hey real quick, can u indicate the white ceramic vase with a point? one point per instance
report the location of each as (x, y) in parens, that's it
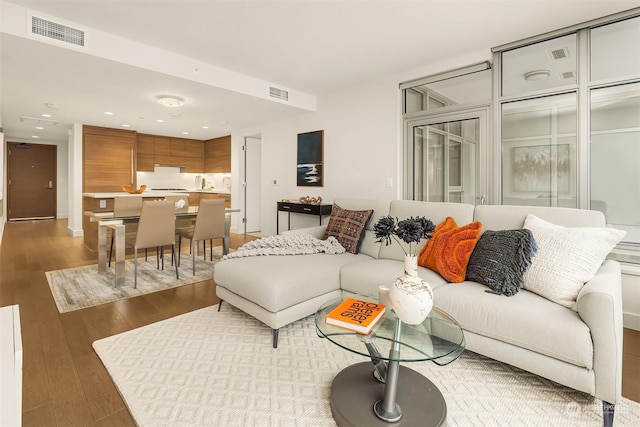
(410, 296)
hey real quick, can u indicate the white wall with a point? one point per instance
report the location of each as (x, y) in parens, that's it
(74, 183)
(361, 135)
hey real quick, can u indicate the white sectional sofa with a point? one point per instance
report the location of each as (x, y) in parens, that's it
(580, 348)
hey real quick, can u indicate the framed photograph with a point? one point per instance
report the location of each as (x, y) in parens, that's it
(310, 158)
(541, 168)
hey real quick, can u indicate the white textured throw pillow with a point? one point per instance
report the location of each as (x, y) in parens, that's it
(567, 258)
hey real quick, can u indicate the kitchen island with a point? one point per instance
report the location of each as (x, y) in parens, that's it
(103, 202)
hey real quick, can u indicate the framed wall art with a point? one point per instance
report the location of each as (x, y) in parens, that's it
(310, 159)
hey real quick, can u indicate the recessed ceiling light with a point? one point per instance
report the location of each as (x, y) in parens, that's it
(160, 121)
(205, 127)
(185, 133)
(39, 127)
(125, 126)
(170, 101)
(35, 136)
(45, 115)
(108, 113)
(537, 75)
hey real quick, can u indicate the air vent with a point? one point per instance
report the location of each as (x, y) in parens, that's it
(568, 75)
(57, 31)
(38, 121)
(559, 53)
(278, 93)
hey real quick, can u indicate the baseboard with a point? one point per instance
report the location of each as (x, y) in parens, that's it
(75, 233)
(631, 321)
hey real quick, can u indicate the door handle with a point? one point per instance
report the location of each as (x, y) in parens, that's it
(49, 185)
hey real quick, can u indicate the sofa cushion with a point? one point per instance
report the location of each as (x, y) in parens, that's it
(348, 226)
(567, 258)
(449, 249)
(281, 281)
(525, 320)
(500, 260)
(380, 208)
(364, 278)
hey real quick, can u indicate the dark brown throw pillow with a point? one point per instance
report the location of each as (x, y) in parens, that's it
(348, 227)
(500, 260)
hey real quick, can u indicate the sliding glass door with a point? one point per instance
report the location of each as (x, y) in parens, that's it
(444, 153)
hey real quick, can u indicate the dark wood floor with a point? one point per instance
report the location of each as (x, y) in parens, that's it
(64, 382)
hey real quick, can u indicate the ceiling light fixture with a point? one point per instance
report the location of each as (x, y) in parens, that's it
(160, 121)
(45, 115)
(108, 113)
(537, 75)
(170, 101)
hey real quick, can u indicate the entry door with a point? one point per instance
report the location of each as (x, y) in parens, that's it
(31, 170)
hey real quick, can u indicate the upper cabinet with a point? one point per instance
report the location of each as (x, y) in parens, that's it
(108, 158)
(184, 153)
(194, 159)
(163, 151)
(217, 155)
(145, 147)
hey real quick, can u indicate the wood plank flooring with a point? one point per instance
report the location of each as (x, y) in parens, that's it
(64, 382)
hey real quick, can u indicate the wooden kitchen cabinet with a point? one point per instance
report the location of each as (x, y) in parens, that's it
(226, 197)
(145, 147)
(217, 155)
(108, 159)
(163, 151)
(178, 151)
(194, 160)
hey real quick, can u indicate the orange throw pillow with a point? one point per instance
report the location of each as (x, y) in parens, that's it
(449, 249)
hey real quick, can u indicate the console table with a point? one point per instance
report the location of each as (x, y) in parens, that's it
(301, 208)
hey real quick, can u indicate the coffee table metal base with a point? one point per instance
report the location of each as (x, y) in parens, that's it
(355, 391)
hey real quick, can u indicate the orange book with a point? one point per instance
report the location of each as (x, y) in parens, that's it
(358, 315)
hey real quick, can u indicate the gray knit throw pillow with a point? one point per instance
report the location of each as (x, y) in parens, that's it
(500, 260)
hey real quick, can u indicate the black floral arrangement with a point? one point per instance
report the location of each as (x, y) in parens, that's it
(410, 231)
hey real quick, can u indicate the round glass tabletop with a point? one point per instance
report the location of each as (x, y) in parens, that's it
(439, 338)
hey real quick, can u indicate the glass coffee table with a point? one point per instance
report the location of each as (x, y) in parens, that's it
(382, 391)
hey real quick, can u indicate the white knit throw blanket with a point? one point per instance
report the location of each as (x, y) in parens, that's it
(290, 244)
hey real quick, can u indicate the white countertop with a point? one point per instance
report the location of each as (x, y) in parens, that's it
(214, 191)
(152, 193)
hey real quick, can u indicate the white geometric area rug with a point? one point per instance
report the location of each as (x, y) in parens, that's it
(210, 368)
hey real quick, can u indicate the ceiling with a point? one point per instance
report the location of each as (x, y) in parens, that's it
(315, 47)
